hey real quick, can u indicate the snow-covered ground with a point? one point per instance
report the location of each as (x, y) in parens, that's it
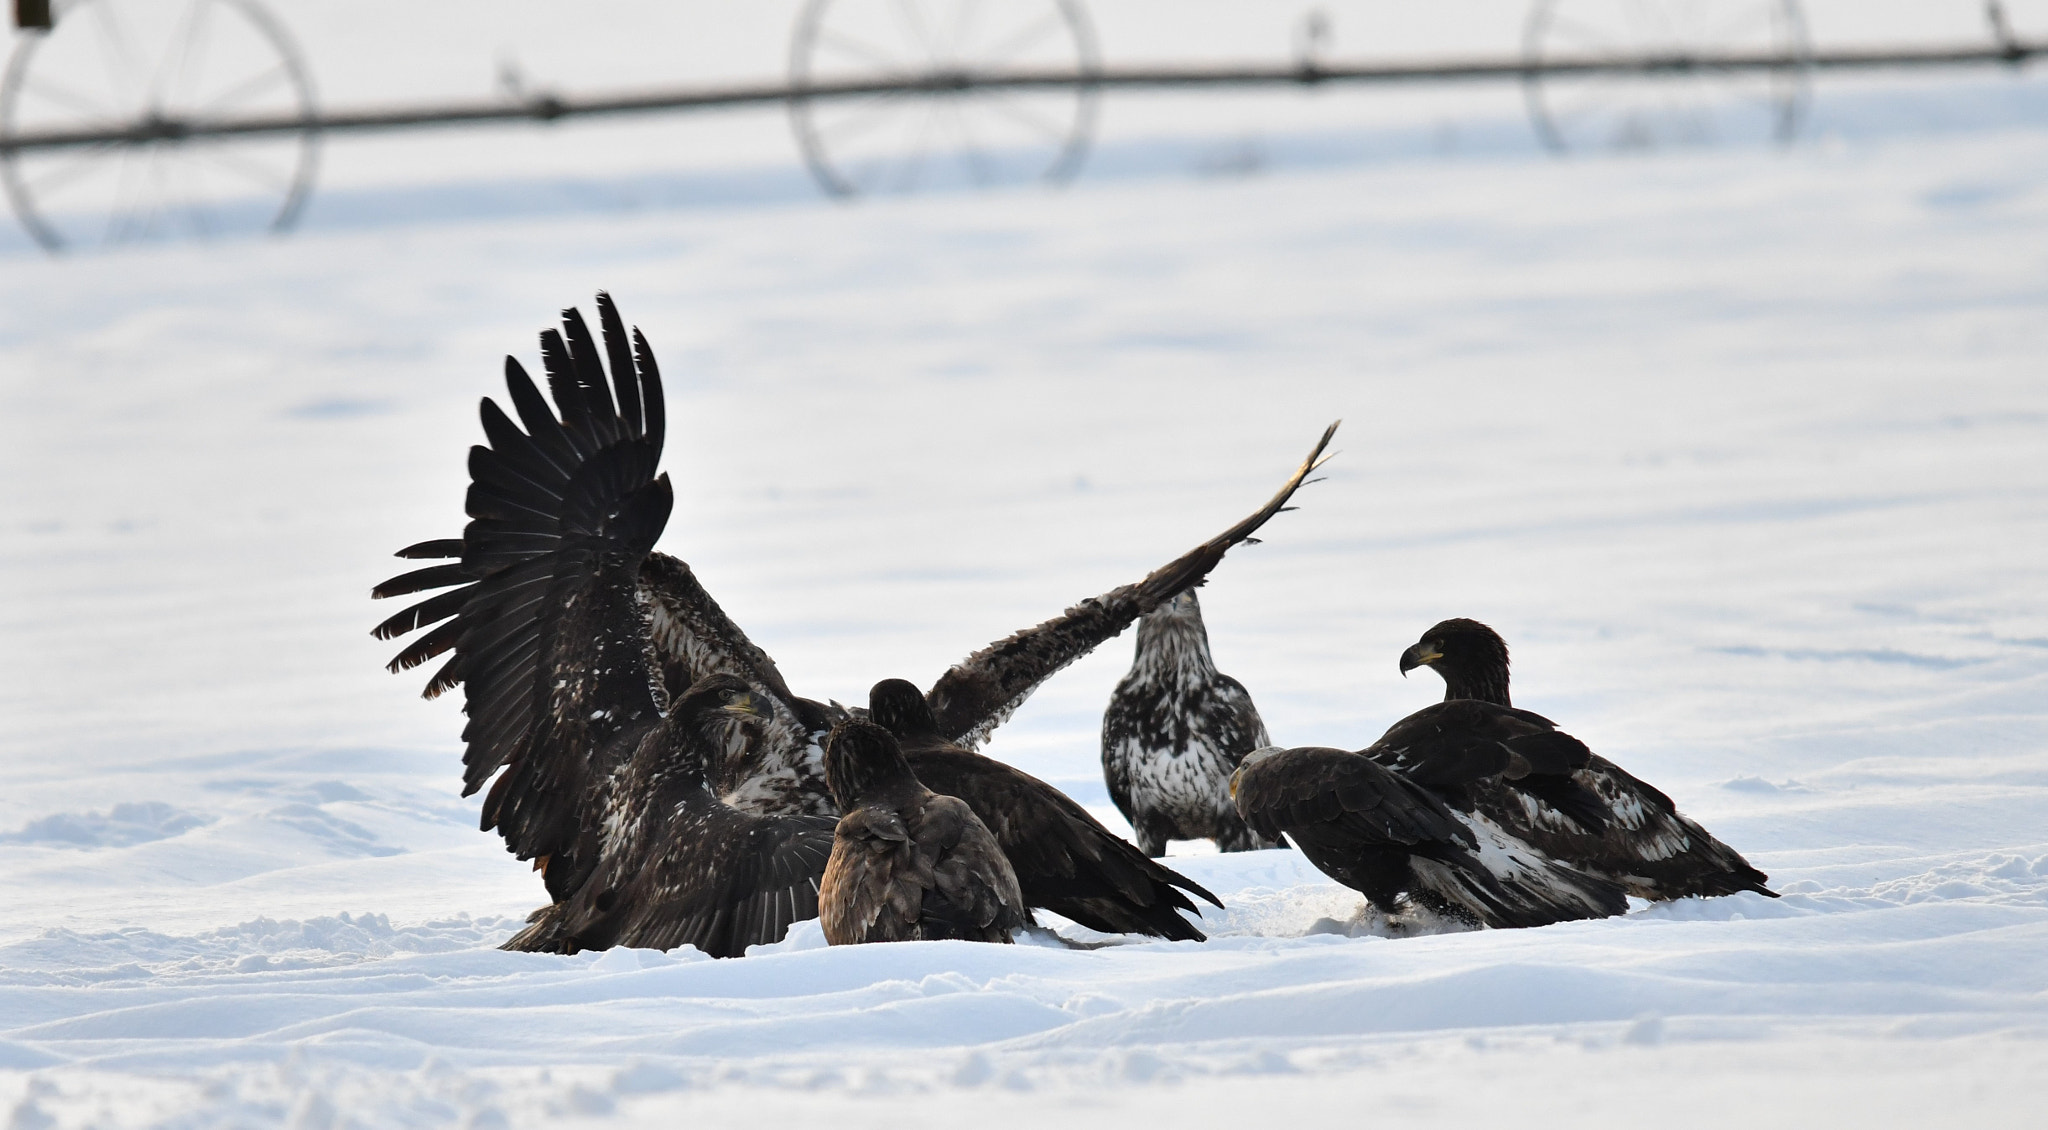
(1741, 450)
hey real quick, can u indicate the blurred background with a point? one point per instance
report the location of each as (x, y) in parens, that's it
(117, 63)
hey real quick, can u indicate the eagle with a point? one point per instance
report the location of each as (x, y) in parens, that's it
(907, 864)
(565, 626)
(1591, 812)
(1065, 860)
(1393, 822)
(1175, 731)
(676, 865)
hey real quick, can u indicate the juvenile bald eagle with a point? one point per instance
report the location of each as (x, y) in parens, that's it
(907, 864)
(1175, 730)
(565, 625)
(1591, 813)
(1391, 821)
(1065, 860)
(676, 865)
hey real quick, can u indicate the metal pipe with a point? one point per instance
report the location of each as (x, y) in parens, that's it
(550, 107)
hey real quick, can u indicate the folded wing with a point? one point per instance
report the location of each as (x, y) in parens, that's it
(1065, 860)
(1562, 799)
(1374, 827)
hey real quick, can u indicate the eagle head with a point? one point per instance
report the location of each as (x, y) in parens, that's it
(1471, 657)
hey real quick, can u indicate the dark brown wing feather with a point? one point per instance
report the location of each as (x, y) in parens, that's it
(1352, 795)
(523, 469)
(982, 691)
(1452, 744)
(1545, 788)
(975, 893)
(704, 875)
(874, 884)
(1633, 832)
(1065, 860)
(1365, 825)
(1383, 834)
(774, 768)
(674, 865)
(546, 627)
(693, 637)
(933, 872)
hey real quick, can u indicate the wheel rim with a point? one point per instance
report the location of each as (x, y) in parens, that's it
(117, 64)
(1625, 111)
(904, 142)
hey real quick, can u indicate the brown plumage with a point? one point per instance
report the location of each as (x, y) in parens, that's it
(567, 630)
(674, 864)
(1065, 860)
(601, 769)
(1175, 730)
(907, 864)
(1589, 812)
(1391, 822)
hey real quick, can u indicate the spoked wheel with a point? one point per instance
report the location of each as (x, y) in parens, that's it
(903, 141)
(1677, 102)
(155, 66)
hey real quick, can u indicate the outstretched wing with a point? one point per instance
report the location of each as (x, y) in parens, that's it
(694, 638)
(777, 767)
(641, 413)
(982, 691)
(547, 630)
(436, 610)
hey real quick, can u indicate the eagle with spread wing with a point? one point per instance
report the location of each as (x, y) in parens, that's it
(571, 638)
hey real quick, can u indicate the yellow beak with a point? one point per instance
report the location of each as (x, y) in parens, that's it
(742, 704)
(1421, 655)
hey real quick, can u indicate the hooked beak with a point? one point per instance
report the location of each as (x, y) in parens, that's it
(1421, 655)
(742, 705)
(1239, 772)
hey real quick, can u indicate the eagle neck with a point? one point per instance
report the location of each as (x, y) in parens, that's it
(1173, 647)
(1487, 684)
(897, 790)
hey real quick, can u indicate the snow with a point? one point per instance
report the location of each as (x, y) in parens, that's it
(1740, 449)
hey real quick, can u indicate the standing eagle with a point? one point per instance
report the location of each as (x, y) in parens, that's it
(907, 864)
(1394, 821)
(1175, 730)
(1065, 860)
(566, 627)
(1591, 811)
